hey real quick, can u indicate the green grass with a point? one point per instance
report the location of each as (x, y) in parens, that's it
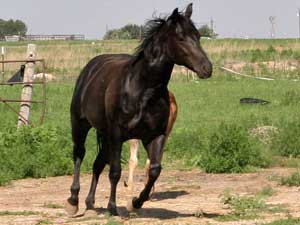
(249, 207)
(203, 106)
(242, 207)
(18, 213)
(44, 222)
(289, 221)
(291, 180)
(52, 206)
(266, 192)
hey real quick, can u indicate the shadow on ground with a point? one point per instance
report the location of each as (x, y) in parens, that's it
(168, 195)
(154, 213)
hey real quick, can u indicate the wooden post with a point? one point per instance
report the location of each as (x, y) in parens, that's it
(27, 88)
(2, 58)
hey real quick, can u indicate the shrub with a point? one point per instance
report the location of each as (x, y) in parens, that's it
(34, 152)
(256, 55)
(271, 50)
(286, 53)
(287, 142)
(187, 145)
(232, 149)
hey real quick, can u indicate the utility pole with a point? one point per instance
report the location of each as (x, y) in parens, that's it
(272, 21)
(212, 26)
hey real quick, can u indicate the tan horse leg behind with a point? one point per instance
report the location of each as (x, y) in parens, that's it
(134, 146)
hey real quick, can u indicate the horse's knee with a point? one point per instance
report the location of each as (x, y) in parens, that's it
(75, 188)
(154, 171)
(78, 152)
(115, 174)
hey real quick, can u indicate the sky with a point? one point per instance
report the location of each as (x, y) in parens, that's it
(232, 18)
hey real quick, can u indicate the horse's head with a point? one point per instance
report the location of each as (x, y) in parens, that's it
(183, 43)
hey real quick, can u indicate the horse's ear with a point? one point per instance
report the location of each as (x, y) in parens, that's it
(173, 17)
(189, 11)
(174, 14)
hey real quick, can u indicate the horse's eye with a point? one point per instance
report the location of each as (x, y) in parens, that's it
(180, 38)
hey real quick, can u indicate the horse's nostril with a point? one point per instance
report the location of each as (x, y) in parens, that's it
(207, 67)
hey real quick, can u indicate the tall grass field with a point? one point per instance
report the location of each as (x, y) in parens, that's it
(213, 131)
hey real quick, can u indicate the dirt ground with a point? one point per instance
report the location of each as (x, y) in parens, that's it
(180, 197)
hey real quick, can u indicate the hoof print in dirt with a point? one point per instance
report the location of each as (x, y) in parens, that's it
(90, 213)
(199, 213)
(71, 209)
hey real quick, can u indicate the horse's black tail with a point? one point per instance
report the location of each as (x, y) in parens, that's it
(99, 141)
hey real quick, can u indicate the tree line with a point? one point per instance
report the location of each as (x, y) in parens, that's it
(129, 31)
(133, 31)
(12, 27)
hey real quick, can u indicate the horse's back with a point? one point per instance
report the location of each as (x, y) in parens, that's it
(94, 66)
(93, 81)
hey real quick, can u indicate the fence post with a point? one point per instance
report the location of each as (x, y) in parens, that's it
(2, 58)
(27, 88)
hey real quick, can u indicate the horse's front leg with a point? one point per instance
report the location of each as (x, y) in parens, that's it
(114, 173)
(155, 152)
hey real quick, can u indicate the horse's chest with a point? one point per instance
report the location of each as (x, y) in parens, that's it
(155, 117)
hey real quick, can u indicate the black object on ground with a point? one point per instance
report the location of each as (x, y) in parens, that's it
(253, 101)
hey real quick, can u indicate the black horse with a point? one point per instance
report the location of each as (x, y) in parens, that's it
(126, 96)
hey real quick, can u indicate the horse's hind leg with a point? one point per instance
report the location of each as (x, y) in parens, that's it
(80, 129)
(115, 147)
(133, 161)
(99, 165)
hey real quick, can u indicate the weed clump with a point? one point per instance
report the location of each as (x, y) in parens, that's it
(287, 142)
(243, 207)
(292, 180)
(34, 152)
(249, 207)
(232, 149)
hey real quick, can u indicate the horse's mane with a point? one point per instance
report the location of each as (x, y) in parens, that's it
(151, 28)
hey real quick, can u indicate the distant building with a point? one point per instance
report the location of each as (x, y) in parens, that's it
(63, 37)
(13, 38)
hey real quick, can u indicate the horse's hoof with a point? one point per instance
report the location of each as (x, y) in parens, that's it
(113, 212)
(71, 209)
(90, 213)
(130, 207)
(112, 209)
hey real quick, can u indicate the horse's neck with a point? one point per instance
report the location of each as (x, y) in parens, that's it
(152, 74)
(144, 81)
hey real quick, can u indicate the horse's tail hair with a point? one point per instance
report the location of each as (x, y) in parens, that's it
(99, 141)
